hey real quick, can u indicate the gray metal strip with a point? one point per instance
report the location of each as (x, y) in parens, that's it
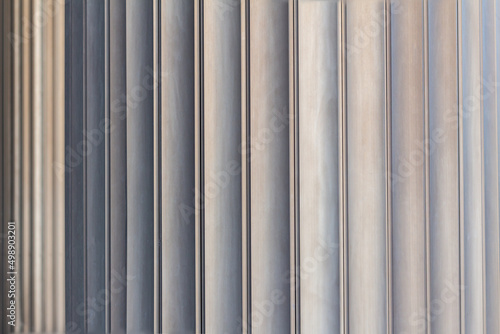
(269, 149)
(140, 159)
(118, 165)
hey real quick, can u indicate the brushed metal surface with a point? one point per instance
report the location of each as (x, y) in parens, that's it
(222, 166)
(118, 161)
(178, 174)
(444, 193)
(269, 187)
(473, 167)
(367, 169)
(271, 166)
(408, 167)
(140, 156)
(491, 192)
(318, 137)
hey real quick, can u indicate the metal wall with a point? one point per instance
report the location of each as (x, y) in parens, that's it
(256, 166)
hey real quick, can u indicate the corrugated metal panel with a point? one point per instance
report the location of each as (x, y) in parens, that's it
(255, 166)
(33, 165)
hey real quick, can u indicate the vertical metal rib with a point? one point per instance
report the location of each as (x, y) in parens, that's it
(388, 160)
(48, 157)
(140, 188)
(343, 236)
(294, 165)
(318, 165)
(199, 177)
(157, 169)
(245, 167)
(178, 166)
(118, 165)
(59, 145)
(38, 221)
(222, 165)
(491, 190)
(444, 167)
(270, 211)
(366, 193)
(107, 170)
(408, 167)
(473, 166)
(427, 318)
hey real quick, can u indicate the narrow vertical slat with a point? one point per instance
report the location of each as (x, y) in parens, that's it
(59, 161)
(107, 186)
(74, 166)
(343, 236)
(318, 135)
(222, 165)
(156, 87)
(94, 139)
(38, 196)
(491, 189)
(427, 317)
(473, 166)
(245, 168)
(366, 169)
(48, 158)
(294, 164)
(27, 171)
(7, 143)
(17, 150)
(178, 166)
(270, 206)
(140, 188)
(198, 147)
(2, 156)
(444, 179)
(408, 168)
(118, 166)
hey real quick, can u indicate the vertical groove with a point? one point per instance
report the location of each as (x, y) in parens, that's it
(159, 171)
(388, 157)
(156, 174)
(344, 246)
(426, 149)
(107, 169)
(294, 200)
(461, 168)
(246, 167)
(340, 136)
(199, 179)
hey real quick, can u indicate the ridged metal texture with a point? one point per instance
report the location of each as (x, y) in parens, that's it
(272, 166)
(32, 164)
